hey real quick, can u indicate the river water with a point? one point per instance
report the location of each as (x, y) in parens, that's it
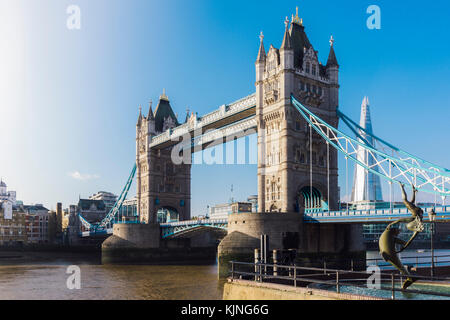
(47, 279)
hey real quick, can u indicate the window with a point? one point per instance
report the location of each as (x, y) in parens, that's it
(321, 161)
(320, 90)
(308, 87)
(302, 86)
(314, 70)
(308, 67)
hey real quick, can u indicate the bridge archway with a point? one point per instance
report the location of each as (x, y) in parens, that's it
(167, 214)
(311, 199)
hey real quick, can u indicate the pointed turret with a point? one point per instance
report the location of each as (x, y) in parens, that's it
(139, 117)
(164, 111)
(299, 40)
(332, 61)
(187, 116)
(262, 52)
(150, 115)
(287, 37)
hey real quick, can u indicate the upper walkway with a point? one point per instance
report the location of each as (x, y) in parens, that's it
(226, 121)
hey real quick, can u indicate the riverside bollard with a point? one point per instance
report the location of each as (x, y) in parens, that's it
(275, 256)
(257, 257)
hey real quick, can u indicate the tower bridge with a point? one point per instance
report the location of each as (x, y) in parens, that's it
(295, 114)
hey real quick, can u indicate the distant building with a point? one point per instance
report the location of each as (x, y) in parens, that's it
(37, 223)
(221, 211)
(13, 229)
(128, 211)
(254, 201)
(107, 197)
(92, 210)
(366, 192)
(55, 224)
(6, 195)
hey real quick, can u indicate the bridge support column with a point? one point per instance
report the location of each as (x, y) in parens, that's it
(127, 238)
(337, 244)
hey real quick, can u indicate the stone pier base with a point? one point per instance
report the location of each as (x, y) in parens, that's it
(142, 244)
(336, 244)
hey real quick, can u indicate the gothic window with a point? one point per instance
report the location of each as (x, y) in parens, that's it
(302, 86)
(308, 66)
(314, 70)
(321, 161)
(308, 87)
(302, 158)
(278, 191)
(320, 90)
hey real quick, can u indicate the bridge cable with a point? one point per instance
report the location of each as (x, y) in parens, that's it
(328, 172)
(310, 167)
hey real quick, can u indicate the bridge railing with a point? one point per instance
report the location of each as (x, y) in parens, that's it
(375, 212)
(340, 281)
(223, 112)
(195, 222)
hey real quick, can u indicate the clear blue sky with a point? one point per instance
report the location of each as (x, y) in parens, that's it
(69, 99)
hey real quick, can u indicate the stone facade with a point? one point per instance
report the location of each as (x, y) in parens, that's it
(283, 135)
(160, 183)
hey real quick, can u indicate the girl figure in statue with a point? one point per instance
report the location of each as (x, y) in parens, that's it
(389, 239)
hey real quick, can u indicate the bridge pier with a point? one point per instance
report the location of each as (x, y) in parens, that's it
(335, 244)
(142, 244)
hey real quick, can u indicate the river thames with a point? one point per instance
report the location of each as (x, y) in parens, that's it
(46, 278)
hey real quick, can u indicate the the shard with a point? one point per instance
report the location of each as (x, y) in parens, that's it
(366, 185)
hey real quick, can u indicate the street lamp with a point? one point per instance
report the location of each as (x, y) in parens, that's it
(432, 217)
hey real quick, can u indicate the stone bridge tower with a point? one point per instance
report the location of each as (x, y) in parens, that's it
(160, 183)
(285, 153)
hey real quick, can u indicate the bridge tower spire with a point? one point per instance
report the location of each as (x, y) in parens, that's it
(286, 156)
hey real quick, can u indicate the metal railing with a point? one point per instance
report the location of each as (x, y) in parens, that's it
(306, 276)
(415, 261)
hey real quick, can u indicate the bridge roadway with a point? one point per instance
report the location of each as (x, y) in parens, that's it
(173, 229)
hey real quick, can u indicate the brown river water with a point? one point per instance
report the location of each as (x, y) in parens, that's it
(46, 278)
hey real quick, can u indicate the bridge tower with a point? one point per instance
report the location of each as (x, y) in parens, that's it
(160, 183)
(295, 168)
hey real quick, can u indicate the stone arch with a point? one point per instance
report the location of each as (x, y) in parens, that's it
(317, 201)
(166, 214)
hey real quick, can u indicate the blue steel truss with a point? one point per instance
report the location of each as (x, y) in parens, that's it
(399, 166)
(173, 228)
(111, 217)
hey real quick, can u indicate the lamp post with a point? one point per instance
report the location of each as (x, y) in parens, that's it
(432, 217)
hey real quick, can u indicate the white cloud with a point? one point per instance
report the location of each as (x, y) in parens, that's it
(83, 176)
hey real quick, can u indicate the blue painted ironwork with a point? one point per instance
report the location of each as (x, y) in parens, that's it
(373, 215)
(411, 170)
(106, 224)
(174, 228)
